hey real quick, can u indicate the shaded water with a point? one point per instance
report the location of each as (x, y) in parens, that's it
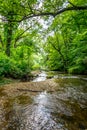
(65, 109)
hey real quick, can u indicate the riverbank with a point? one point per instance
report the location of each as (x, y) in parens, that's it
(9, 80)
(38, 76)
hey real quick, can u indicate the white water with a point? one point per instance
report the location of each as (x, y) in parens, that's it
(41, 77)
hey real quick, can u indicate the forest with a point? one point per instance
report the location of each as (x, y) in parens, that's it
(42, 35)
(43, 64)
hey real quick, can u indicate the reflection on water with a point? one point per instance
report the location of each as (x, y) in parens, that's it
(34, 117)
(65, 109)
(40, 117)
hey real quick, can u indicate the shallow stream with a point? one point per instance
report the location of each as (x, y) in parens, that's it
(65, 109)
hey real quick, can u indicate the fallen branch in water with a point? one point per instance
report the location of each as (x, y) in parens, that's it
(28, 90)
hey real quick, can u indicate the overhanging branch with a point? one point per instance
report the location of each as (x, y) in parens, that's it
(54, 14)
(70, 9)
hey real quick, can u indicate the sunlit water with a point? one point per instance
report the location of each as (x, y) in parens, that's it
(41, 77)
(65, 109)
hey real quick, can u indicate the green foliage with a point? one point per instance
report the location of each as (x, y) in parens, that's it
(67, 48)
(77, 69)
(64, 46)
(10, 67)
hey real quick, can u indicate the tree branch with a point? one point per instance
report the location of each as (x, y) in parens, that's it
(71, 3)
(18, 37)
(74, 8)
(54, 14)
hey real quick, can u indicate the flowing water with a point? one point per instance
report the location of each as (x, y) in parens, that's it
(40, 77)
(65, 109)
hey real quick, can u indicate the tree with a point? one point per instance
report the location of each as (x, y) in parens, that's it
(14, 12)
(67, 49)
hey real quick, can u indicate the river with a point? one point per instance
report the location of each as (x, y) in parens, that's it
(65, 109)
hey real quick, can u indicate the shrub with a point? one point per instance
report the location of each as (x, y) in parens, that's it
(11, 68)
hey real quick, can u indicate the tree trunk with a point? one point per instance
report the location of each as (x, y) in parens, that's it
(8, 49)
(8, 37)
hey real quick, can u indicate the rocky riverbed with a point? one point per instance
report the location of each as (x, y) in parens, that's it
(59, 103)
